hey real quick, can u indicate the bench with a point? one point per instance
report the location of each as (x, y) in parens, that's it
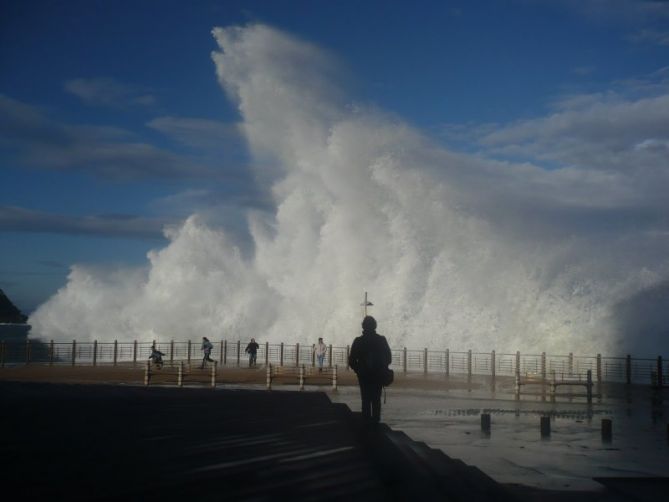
(299, 374)
(554, 383)
(178, 371)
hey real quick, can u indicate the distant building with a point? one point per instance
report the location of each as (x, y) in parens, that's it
(13, 327)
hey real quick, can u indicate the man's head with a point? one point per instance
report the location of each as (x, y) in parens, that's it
(253, 340)
(320, 340)
(369, 323)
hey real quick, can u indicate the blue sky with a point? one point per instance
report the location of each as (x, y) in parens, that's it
(113, 124)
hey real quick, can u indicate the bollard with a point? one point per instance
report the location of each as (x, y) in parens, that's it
(302, 377)
(147, 373)
(425, 361)
(545, 427)
(74, 351)
(95, 352)
(334, 378)
(517, 387)
(628, 369)
(213, 375)
(448, 362)
(485, 422)
(51, 353)
(607, 429)
(269, 377)
(660, 379)
(115, 351)
(180, 374)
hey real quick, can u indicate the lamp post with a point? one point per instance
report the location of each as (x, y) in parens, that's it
(366, 304)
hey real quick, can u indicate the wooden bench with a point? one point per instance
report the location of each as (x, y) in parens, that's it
(178, 371)
(299, 374)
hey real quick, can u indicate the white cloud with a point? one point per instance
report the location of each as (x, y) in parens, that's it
(108, 92)
(456, 250)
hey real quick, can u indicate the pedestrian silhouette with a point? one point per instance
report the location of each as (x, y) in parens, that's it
(369, 358)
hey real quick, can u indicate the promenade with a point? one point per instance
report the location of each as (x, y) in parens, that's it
(100, 434)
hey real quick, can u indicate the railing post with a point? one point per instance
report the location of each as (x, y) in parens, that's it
(517, 386)
(553, 385)
(334, 378)
(27, 351)
(74, 351)
(599, 369)
(660, 379)
(313, 355)
(221, 356)
(147, 374)
(628, 369)
(171, 351)
(134, 352)
(95, 352)
(589, 386)
(492, 365)
(269, 377)
(404, 360)
(51, 352)
(330, 356)
(115, 352)
(188, 352)
(281, 354)
(543, 366)
(225, 352)
(266, 353)
(239, 352)
(213, 375)
(518, 363)
(571, 363)
(302, 377)
(425, 361)
(448, 362)
(469, 364)
(297, 354)
(348, 356)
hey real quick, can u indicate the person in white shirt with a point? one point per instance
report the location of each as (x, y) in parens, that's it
(320, 349)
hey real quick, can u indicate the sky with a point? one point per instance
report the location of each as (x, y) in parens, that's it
(117, 125)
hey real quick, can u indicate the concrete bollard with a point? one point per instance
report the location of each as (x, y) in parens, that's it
(545, 427)
(269, 377)
(334, 378)
(302, 377)
(607, 429)
(485, 422)
(517, 386)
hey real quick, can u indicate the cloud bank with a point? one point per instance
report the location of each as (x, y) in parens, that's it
(456, 250)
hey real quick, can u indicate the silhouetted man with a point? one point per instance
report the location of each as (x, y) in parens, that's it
(369, 358)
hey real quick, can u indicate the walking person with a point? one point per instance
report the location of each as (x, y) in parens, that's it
(369, 358)
(320, 349)
(252, 351)
(207, 347)
(156, 356)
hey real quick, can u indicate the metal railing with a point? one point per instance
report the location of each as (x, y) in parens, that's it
(626, 369)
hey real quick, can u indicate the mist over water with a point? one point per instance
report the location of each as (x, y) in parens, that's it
(456, 251)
